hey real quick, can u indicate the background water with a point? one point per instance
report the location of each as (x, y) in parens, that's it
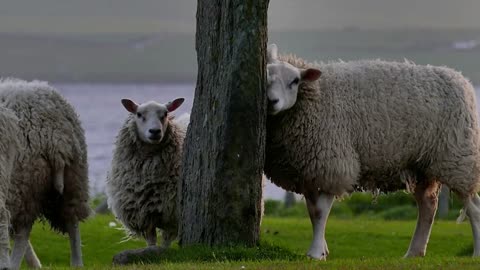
(102, 115)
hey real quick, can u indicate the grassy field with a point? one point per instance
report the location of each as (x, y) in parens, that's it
(357, 243)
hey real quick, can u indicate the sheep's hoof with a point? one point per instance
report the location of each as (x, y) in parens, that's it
(5, 266)
(75, 265)
(137, 255)
(318, 254)
(414, 254)
(320, 258)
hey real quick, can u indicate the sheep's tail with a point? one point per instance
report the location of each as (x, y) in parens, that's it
(59, 180)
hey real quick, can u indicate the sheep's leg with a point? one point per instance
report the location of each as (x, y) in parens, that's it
(31, 257)
(472, 206)
(151, 236)
(426, 196)
(311, 213)
(20, 245)
(4, 239)
(319, 209)
(75, 244)
(167, 238)
(58, 182)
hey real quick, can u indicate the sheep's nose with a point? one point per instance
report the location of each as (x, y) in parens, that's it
(154, 131)
(272, 102)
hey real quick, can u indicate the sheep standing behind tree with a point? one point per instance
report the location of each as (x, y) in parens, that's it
(9, 148)
(142, 182)
(372, 125)
(50, 175)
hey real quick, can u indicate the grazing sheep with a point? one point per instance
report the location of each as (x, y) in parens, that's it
(142, 182)
(9, 147)
(372, 125)
(50, 176)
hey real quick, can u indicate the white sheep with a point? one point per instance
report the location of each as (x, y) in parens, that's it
(9, 148)
(337, 127)
(50, 175)
(142, 182)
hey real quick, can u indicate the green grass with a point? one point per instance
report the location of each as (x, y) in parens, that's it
(392, 206)
(357, 243)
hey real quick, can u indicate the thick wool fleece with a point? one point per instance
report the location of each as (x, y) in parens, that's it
(376, 125)
(9, 148)
(142, 182)
(52, 138)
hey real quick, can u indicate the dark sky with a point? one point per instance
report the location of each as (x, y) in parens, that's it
(179, 15)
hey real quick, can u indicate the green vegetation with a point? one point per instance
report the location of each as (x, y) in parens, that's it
(394, 206)
(357, 236)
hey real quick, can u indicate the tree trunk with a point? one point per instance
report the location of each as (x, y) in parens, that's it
(289, 199)
(220, 191)
(102, 208)
(139, 256)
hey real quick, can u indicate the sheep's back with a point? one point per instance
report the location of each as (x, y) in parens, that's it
(52, 137)
(9, 148)
(369, 122)
(400, 115)
(50, 125)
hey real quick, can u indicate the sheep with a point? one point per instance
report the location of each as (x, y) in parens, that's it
(333, 128)
(9, 148)
(50, 175)
(141, 185)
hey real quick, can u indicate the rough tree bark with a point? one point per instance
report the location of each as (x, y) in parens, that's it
(220, 191)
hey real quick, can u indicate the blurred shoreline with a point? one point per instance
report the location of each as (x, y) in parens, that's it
(170, 56)
(102, 115)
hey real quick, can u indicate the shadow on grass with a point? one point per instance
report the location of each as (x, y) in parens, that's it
(466, 251)
(201, 254)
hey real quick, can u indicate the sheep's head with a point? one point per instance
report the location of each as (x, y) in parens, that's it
(151, 118)
(283, 80)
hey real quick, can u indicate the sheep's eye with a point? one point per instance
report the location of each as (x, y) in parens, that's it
(295, 81)
(139, 115)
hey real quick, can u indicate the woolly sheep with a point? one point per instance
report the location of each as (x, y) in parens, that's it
(50, 176)
(334, 128)
(142, 182)
(9, 147)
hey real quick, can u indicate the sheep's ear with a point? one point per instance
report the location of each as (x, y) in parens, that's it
(272, 53)
(130, 105)
(310, 74)
(173, 105)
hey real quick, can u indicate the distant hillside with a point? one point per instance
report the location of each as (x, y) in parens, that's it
(99, 57)
(152, 16)
(160, 57)
(153, 40)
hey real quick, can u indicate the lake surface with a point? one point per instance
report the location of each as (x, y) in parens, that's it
(102, 115)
